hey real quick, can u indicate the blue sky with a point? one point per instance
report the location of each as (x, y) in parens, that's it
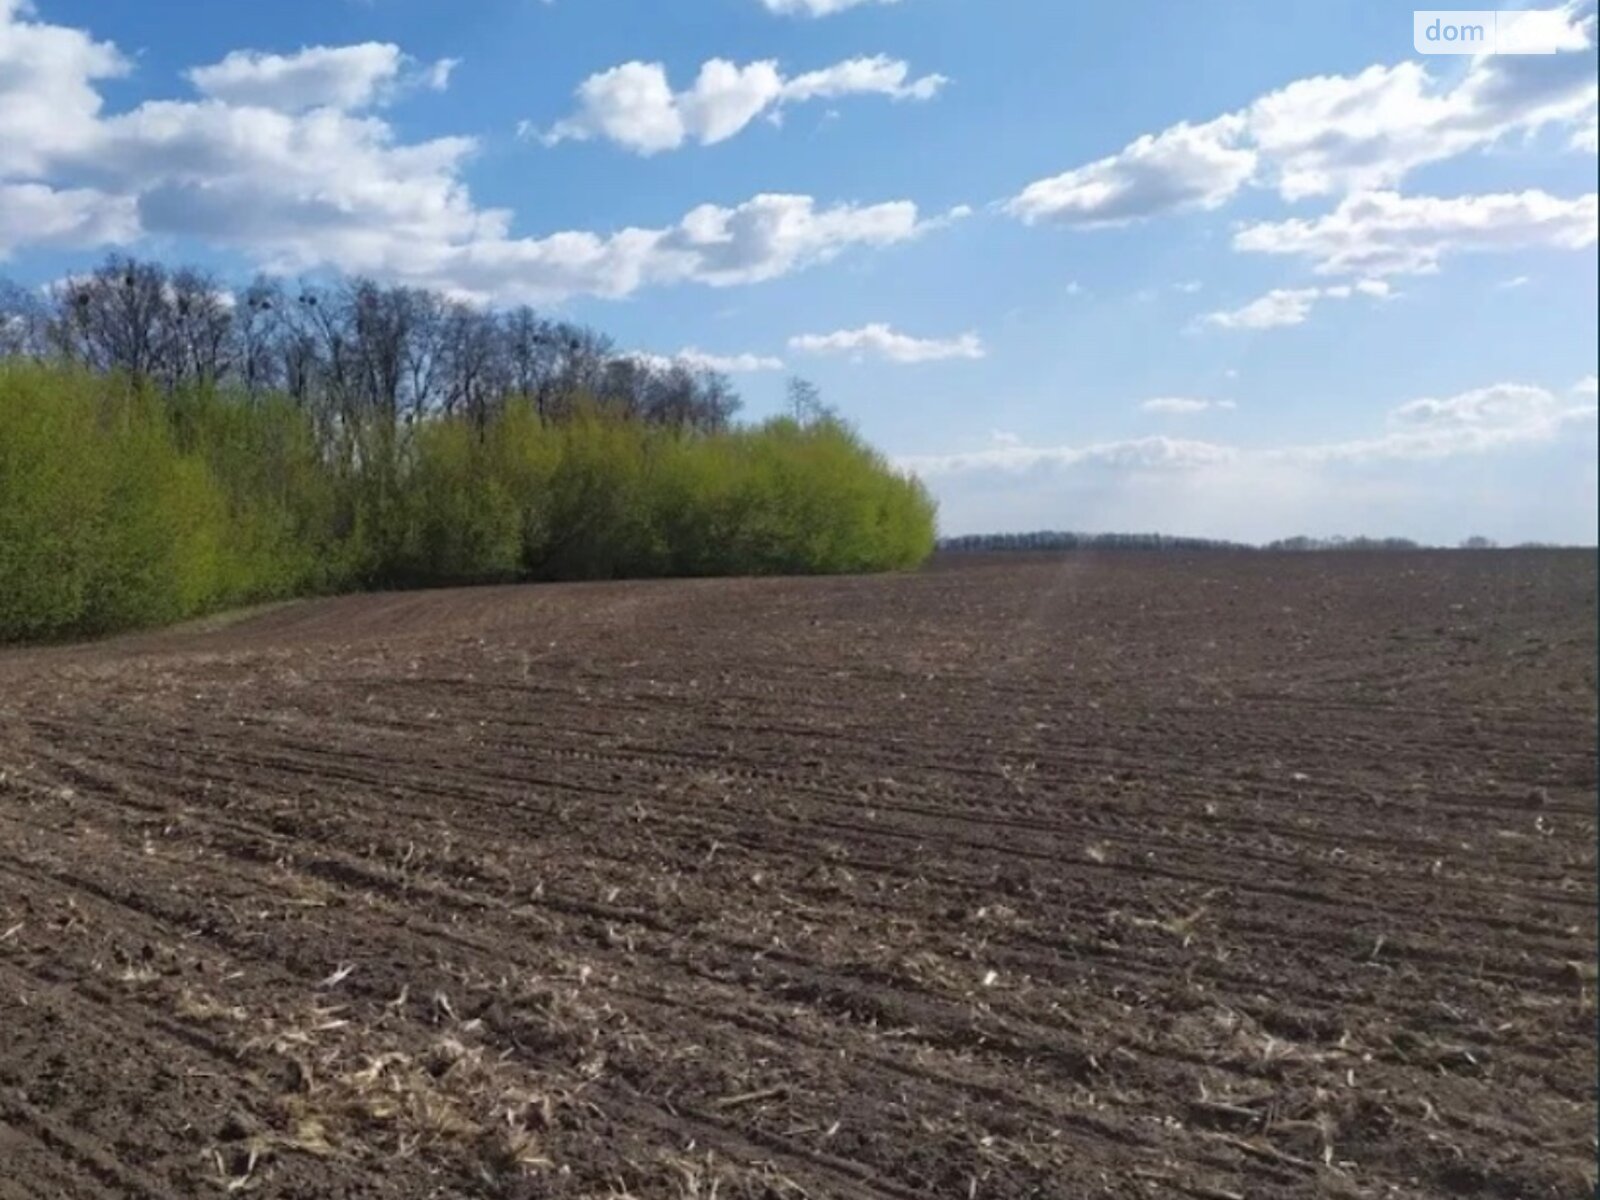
(1213, 268)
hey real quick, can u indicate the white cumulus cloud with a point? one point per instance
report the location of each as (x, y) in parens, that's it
(1291, 306)
(33, 214)
(347, 77)
(1587, 136)
(878, 75)
(816, 8)
(879, 340)
(701, 360)
(1497, 417)
(1187, 166)
(1014, 456)
(1335, 133)
(1385, 233)
(1366, 131)
(635, 106)
(284, 160)
(1485, 419)
(49, 103)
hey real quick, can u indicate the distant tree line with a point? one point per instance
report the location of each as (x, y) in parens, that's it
(1055, 540)
(1368, 544)
(168, 448)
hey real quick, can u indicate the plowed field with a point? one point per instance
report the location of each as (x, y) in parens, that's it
(1120, 875)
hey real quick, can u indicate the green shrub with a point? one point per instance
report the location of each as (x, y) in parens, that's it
(281, 500)
(119, 507)
(51, 500)
(463, 523)
(103, 523)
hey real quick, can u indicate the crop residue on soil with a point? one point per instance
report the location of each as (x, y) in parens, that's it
(1120, 875)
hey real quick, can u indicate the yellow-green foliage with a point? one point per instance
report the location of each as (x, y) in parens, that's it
(787, 498)
(103, 523)
(281, 500)
(597, 496)
(462, 522)
(121, 508)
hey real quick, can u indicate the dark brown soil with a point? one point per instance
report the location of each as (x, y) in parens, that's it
(1075, 877)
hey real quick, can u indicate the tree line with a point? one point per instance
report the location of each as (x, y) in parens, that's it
(1058, 540)
(350, 353)
(167, 448)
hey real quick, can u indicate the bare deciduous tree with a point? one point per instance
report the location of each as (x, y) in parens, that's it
(358, 356)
